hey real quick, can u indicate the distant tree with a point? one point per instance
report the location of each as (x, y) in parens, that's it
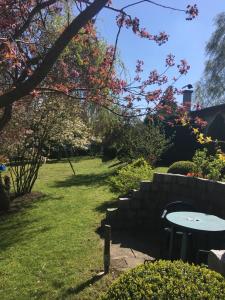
(210, 90)
(133, 139)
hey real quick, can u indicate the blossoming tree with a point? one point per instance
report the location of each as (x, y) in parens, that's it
(28, 53)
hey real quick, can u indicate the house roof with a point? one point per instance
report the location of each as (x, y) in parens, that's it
(208, 110)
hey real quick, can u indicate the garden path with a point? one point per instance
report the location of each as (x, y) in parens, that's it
(129, 249)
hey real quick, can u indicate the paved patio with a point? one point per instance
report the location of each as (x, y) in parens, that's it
(130, 249)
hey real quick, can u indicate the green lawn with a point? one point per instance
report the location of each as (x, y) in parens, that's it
(161, 169)
(50, 249)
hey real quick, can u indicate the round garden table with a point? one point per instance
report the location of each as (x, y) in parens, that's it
(189, 221)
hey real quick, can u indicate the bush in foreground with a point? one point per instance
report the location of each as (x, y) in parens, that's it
(182, 167)
(168, 280)
(129, 177)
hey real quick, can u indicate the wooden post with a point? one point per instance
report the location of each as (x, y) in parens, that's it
(107, 248)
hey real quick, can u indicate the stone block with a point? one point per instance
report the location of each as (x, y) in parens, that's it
(111, 214)
(144, 195)
(161, 197)
(175, 178)
(131, 215)
(139, 222)
(145, 186)
(211, 186)
(143, 214)
(155, 187)
(135, 194)
(135, 203)
(201, 185)
(149, 204)
(173, 189)
(182, 180)
(158, 178)
(168, 178)
(219, 189)
(216, 261)
(192, 182)
(124, 203)
(117, 224)
(165, 187)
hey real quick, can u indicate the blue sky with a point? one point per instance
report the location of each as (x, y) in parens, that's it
(187, 38)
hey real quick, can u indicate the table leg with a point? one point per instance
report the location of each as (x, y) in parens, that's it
(183, 253)
(171, 242)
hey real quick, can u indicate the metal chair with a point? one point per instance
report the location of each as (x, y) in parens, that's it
(171, 234)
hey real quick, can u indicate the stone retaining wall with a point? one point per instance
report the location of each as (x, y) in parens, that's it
(144, 207)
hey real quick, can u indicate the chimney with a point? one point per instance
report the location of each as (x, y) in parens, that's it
(187, 96)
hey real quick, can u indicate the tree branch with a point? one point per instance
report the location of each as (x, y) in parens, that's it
(35, 10)
(50, 58)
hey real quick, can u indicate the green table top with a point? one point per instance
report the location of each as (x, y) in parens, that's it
(196, 220)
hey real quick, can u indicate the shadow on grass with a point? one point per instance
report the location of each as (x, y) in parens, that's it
(74, 159)
(107, 204)
(91, 179)
(23, 202)
(79, 288)
(17, 231)
(16, 226)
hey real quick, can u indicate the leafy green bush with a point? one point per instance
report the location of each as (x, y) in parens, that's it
(134, 139)
(168, 280)
(182, 167)
(129, 177)
(209, 166)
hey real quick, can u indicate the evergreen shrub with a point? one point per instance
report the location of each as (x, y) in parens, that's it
(182, 167)
(167, 280)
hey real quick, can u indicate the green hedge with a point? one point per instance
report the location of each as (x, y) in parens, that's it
(168, 280)
(130, 176)
(182, 167)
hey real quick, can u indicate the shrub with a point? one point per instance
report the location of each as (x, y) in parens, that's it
(129, 177)
(209, 166)
(168, 280)
(4, 193)
(182, 167)
(133, 139)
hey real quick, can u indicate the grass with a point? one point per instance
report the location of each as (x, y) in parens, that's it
(161, 169)
(50, 249)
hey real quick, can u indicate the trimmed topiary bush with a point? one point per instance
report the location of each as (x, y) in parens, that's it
(182, 167)
(168, 280)
(129, 177)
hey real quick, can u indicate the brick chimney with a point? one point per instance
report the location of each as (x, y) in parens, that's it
(187, 97)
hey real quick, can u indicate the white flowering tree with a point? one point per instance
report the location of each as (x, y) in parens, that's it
(27, 139)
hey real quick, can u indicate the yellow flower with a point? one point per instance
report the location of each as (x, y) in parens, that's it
(201, 141)
(195, 130)
(208, 139)
(183, 122)
(201, 138)
(222, 156)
